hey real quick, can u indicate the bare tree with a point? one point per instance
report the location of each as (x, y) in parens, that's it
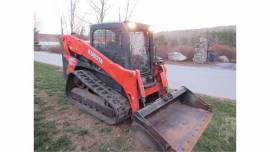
(76, 22)
(129, 9)
(62, 28)
(119, 14)
(100, 8)
(36, 29)
(64, 23)
(73, 8)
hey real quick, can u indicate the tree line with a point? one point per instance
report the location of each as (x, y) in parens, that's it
(213, 37)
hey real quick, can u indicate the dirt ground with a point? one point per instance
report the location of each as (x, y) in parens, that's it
(83, 130)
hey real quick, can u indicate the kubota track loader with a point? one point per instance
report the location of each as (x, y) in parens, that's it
(117, 76)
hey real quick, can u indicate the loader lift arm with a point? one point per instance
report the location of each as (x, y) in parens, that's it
(131, 77)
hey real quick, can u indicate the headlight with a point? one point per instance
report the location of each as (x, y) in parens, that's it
(131, 25)
(151, 29)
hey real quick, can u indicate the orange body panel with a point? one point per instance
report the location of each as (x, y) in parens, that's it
(129, 80)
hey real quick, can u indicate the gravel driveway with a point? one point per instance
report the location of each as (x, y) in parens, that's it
(218, 82)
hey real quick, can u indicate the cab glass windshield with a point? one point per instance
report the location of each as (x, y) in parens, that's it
(139, 46)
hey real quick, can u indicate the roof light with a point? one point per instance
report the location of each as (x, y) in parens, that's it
(131, 25)
(151, 29)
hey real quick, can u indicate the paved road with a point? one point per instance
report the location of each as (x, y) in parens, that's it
(209, 81)
(49, 58)
(218, 82)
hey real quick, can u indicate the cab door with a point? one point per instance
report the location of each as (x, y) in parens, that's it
(109, 42)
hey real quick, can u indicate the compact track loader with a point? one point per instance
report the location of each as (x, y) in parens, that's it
(116, 76)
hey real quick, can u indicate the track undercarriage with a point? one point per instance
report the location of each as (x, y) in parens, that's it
(92, 95)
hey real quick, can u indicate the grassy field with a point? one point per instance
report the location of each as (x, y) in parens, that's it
(59, 126)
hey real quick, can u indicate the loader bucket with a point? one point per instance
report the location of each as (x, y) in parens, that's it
(172, 123)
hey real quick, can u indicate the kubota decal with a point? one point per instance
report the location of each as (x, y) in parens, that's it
(95, 56)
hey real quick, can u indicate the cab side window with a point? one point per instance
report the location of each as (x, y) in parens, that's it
(99, 39)
(113, 39)
(103, 38)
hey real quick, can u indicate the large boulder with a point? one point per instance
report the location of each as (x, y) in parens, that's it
(176, 56)
(223, 59)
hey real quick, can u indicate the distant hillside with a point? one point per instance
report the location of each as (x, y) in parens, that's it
(201, 30)
(221, 38)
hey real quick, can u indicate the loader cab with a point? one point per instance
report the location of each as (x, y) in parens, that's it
(129, 44)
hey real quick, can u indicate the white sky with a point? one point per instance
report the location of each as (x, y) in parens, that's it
(162, 14)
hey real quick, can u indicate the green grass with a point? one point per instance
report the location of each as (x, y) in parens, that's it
(47, 80)
(50, 81)
(103, 128)
(43, 133)
(116, 145)
(82, 132)
(220, 135)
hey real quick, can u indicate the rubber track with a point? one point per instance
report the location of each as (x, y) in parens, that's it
(118, 103)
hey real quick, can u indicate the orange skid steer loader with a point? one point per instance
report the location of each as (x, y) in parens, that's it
(117, 76)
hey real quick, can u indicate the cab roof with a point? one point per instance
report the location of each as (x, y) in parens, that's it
(110, 25)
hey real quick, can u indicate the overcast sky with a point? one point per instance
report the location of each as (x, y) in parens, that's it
(162, 14)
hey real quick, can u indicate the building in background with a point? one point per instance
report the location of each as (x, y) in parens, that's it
(46, 41)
